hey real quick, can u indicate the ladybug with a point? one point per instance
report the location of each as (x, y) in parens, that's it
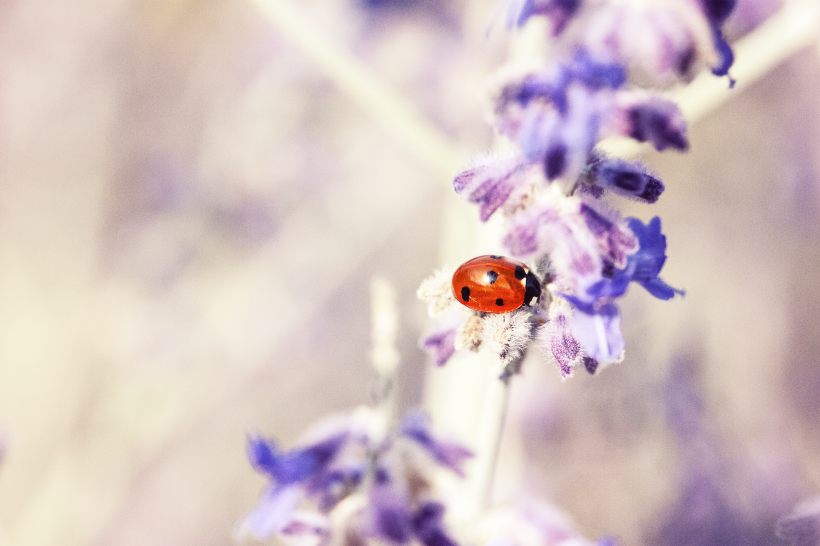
(495, 284)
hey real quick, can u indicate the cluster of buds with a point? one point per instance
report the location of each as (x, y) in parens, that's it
(554, 188)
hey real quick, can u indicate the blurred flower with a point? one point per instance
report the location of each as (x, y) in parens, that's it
(417, 427)
(558, 12)
(648, 117)
(802, 526)
(667, 40)
(388, 481)
(440, 343)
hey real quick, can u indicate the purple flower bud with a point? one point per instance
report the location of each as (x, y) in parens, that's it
(440, 345)
(596, 75)
(717, 11)
(659, 122)
(489, 183)
(529, 233)
(530, 88)
(628, 178)
(428, 525)
(559, 12)
(615, 240)
(555, 160)
(591, 365)
(416, 426)
(566, 349)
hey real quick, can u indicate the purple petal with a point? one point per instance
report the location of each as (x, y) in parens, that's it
(528, 232)
(615, 240)
(727, 56)
(296, 465)
(271, 514)
(428, 525)
(440, 345)
(642, 267)
(330, 487)
(416, 426)
(306, 524)
(600, 333)
(390, 515)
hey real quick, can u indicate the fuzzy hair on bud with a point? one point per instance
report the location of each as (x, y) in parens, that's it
(469, 334)
(436, 291)
(507, 334)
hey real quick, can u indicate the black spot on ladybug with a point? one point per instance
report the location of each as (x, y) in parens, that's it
(499, 302)
(492, 276)
(519, 272)
(465, 293)
(494, 257)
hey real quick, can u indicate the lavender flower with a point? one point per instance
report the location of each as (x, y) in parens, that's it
(556, 115)
(642, 267)
(378, 487)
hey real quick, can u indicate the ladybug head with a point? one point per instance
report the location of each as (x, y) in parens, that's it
(533, 289)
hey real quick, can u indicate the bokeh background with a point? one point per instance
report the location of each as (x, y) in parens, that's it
(194, 196)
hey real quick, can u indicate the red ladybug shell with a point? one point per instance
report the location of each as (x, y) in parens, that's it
(494, 284)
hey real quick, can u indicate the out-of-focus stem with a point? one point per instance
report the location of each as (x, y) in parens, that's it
(396, 115)
(384, 356)
(488, 440)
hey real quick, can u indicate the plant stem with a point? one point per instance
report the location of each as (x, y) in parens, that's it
(491, 428)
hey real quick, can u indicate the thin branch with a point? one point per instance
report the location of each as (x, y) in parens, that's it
(355, 79)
